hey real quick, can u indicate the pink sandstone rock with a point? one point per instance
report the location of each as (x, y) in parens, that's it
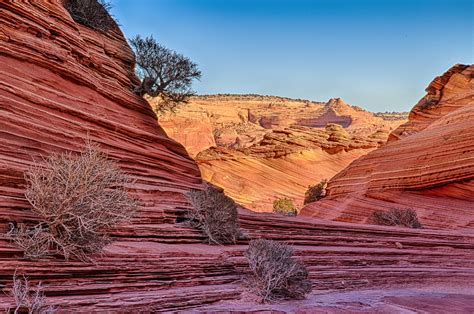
(427, 165)
(267, 147)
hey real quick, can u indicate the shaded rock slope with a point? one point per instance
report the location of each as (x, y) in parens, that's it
(427, 165)
(60, 81)
(259, 148)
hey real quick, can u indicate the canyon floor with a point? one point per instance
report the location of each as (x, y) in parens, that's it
(433, 299)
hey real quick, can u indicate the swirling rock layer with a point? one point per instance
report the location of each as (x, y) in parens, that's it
(259, 148)
(282, 164)
(427, 165)
(60, 83)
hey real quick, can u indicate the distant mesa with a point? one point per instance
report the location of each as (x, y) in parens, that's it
(333, 112)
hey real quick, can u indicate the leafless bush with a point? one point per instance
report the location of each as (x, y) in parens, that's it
(397, 217)
(91, 13)
(28, 299)
(315, 192)
(77, 197)
(215, 214)
(34, 241)
(276, 274)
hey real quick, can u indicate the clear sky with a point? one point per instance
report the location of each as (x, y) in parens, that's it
(377, 54)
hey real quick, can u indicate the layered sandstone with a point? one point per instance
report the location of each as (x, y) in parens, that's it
(259, 148)
(60, 83)
(171, 270)
(237, 121)
(231, 120)
(282, 164)
(427, 165)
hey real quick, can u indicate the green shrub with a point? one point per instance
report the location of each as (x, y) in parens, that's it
(275, 273)
(284, 206)
(315, 192)
(215, 214)
(396, 217)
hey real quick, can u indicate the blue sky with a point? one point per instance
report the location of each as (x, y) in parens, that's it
(377, 54)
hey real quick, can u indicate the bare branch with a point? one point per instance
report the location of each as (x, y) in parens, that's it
(91, 13)
(276, 274)
(164, 72)
(396, 217)
(27, 299)
(215, 214)
(78, 198)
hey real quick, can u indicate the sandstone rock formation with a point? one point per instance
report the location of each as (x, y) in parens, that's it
(168, 269)
(235, 120)
(60, 81)
(238, 121)
(282, 164)
(427, 165)
(259, 148)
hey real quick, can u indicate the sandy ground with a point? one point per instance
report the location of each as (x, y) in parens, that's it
(432, 299)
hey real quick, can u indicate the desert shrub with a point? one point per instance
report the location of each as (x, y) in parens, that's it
(284, 206)
(315, 192)
(91, 13)
(77, 197)
(396, 217)
(275, 273)
(164, 73)
(215, 214)
(428, 103)
(35, 241)
(28, 299)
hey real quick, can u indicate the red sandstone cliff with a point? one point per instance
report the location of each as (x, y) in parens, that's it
(427, 165)
(60, 81)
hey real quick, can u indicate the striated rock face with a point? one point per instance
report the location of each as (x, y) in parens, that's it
(61, 82)
(170, 270)
(194, 130)
(445, 94)
(283, 163)
(427, 165)
(264, 147)
(238, 121)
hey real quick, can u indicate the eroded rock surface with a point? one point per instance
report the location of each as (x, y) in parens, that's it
(166, 268)
(282, 164)
(427, 165)
(259, 148)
